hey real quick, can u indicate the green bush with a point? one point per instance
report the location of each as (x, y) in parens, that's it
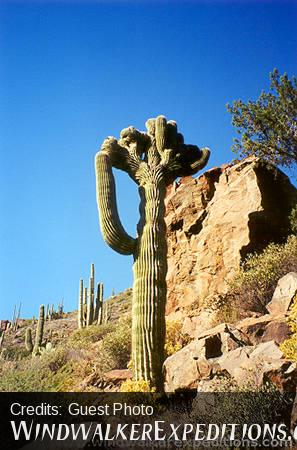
(27, 376)
(174, 339)
(114, 350)
(253, 287)
(16, 353)
(81, 338)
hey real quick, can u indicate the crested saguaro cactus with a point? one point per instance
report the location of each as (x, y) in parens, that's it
(153, 159)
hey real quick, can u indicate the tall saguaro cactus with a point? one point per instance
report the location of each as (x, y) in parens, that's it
(90, 306)
(153, 159)
(39, 331)
(28, 340)
(81, 305)
(99, 304)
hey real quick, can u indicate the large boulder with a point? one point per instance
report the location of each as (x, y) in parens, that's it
(225, 353)
(198, 360)
(265, 328)
(213, 221)
(283, 295)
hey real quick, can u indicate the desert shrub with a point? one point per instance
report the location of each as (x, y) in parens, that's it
(289, 346)
(136, 386)
(175, 339)
(81, 338)
(226, 313)
(27, 375)
(114, 350)
(59, 370)
(252, 288)
(16, 353)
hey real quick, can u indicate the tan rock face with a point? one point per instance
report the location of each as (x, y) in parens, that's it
(214, 221)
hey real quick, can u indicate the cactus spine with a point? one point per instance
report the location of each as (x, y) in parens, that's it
(153, 160)
(28, 340)
(39, 331)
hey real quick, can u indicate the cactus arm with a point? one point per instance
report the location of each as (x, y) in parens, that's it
(112, 230)
(201, 161)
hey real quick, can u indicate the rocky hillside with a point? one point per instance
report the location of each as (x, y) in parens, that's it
(213, 222)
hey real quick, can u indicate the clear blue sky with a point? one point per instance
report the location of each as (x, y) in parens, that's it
(72, 74)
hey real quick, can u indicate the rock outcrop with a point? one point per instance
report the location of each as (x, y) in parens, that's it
(215, 220)
(284, 293)
(246, 354)
(246, 366)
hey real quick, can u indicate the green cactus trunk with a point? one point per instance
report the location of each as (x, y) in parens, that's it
(80, 313)
(153, 160)
(106, 313)
(99, 304)
(90, 307)
(28, 340)
(149, 289)
(39, 331)
(85, 306)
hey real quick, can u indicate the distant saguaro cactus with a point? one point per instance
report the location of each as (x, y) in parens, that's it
(17, 318)
(2, 338)
(98, 318)
(85, 306)
(90, 308)
(106, 313)
(39, 331)
(47, 313)
(153, 160)
(28, 340)
(80, 317)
